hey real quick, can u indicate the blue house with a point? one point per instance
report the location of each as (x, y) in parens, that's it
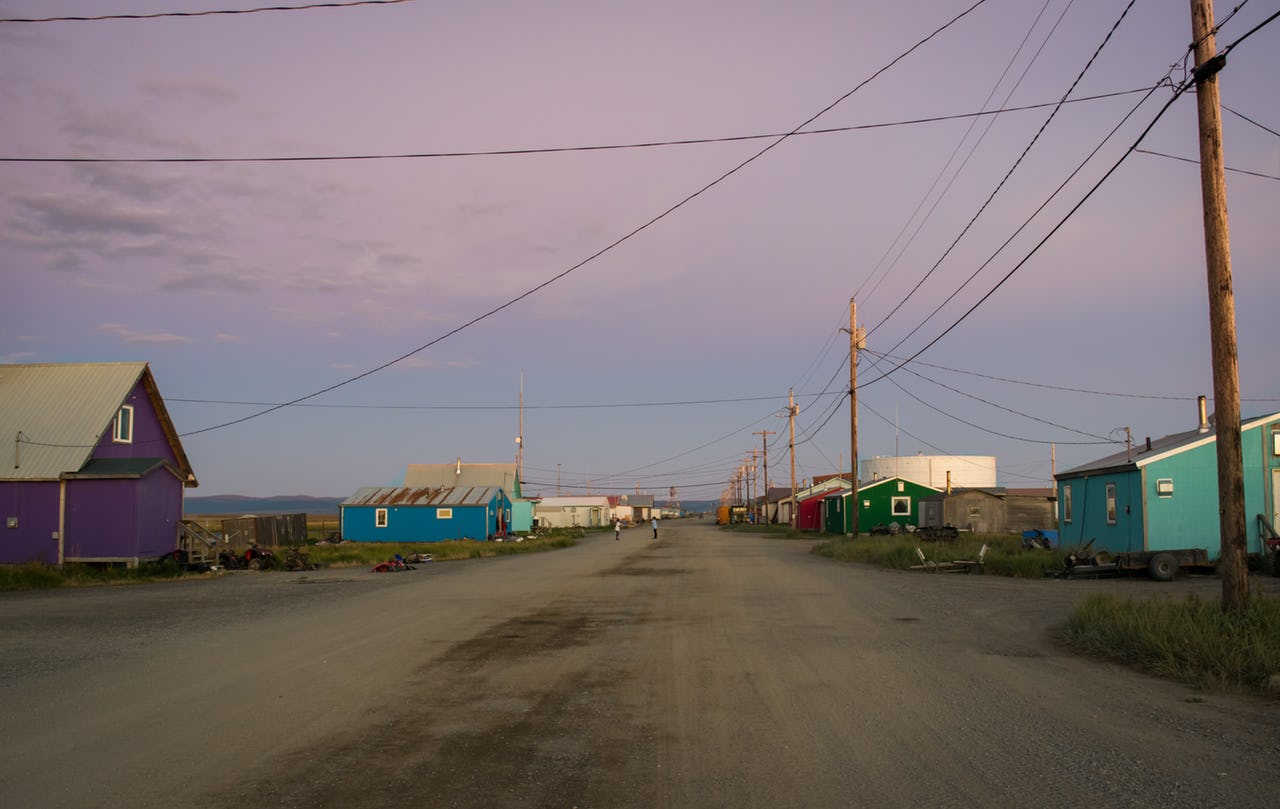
(1163, 494)
(504, 476)
(425, 514)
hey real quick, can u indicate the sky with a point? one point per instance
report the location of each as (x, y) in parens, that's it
(655, 303)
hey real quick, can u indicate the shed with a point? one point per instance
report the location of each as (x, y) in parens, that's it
(271, 531)
(97, 470)
(993, 510)
(1163, 494)
(412, 514)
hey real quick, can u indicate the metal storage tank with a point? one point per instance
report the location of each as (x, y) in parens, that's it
(967, 471)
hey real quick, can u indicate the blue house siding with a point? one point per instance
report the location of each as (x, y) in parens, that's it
(424, 514)
(1167, 496)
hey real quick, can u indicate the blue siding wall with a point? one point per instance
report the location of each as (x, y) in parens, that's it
(1089, 512)
(416, 524)
(1189, 518)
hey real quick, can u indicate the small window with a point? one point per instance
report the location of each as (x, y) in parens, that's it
(447, 513)
(380, 518)
(1111, 504)
(901, 506)
(1164, 487)
(902, 487)
(1275, 443)
(123, 431)
(1066, 503)
(866, 504)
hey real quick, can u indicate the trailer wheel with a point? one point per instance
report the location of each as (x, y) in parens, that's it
(1275, 563)
(1163, 567)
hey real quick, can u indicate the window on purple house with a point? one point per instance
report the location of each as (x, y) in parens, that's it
(123, 430)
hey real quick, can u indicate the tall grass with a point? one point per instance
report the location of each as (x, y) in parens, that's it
(1191, 641)
(356, 554)
(40, 576)
(1005, 554)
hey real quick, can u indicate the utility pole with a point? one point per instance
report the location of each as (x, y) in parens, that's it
(857, 340)
(1232, 562)
(764, 449)
(792, 411)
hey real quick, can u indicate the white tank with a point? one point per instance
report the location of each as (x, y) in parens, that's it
(967, 471)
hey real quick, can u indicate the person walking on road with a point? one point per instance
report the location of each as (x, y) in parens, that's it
(617, 530)
(655, 527)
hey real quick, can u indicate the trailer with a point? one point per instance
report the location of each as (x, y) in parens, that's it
(1163, 565)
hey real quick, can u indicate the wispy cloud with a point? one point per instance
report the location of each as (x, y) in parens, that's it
(127, 334)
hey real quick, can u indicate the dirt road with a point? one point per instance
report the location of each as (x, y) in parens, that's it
(702, 669)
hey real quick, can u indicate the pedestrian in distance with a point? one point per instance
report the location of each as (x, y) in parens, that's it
(617, 530)
(655, 527)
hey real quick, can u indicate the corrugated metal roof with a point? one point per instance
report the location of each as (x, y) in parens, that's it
(61, 412)
(422, 496)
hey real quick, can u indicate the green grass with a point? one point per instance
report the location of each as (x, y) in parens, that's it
(1005, 554)
(39, 576)
(357, 554)
(1190, 641)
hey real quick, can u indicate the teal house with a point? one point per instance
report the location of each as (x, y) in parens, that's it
(1163, 494)
(413, 514)
(880, 502)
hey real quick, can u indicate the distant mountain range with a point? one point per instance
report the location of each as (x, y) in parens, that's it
(240, 504)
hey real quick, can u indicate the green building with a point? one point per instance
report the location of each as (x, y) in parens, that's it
(881, 502)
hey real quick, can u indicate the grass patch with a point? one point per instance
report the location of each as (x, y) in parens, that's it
(1190, 641)
(39, 576)
(360, 554)
(1005, 554)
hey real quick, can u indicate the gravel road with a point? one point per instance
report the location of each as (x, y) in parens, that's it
(704, 669)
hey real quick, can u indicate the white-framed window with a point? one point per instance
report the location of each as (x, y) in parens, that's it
(122, 430)
(380, 518)
(444, 514)
(900, 506)
(1111, 504)
(1164, 487)
(1066, 503)
(902, 487)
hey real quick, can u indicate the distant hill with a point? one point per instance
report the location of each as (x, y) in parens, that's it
(238, 504)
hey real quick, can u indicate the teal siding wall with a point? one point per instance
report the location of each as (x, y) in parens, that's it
(1089, 519)
(1188, 518)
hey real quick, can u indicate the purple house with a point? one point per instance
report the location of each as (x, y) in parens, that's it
(95, 471)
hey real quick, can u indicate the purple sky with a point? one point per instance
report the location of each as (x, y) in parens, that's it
(268, 281)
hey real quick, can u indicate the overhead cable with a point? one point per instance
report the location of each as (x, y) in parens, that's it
(159, 14)
(602, 251)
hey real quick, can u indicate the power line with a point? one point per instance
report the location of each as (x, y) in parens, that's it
(1003, 179)
(1250, 120)
(972, 150)
(211, 13)
(995, 405)
(1036, 248)
(516, 152)
(602, 251)
(1196, 161)
(601, 405)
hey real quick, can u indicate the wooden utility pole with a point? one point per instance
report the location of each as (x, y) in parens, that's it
(792, 411)
(1232, 562)
(764, 450)
(856, 341)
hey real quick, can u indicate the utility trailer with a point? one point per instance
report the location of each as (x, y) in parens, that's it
(1160, 565)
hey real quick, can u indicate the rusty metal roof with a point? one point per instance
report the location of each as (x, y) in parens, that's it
(423, 496)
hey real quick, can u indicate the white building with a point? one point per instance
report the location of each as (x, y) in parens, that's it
(937, 471)
(568, 512)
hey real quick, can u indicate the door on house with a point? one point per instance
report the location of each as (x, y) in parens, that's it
(931, 514)
(1275, 499)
